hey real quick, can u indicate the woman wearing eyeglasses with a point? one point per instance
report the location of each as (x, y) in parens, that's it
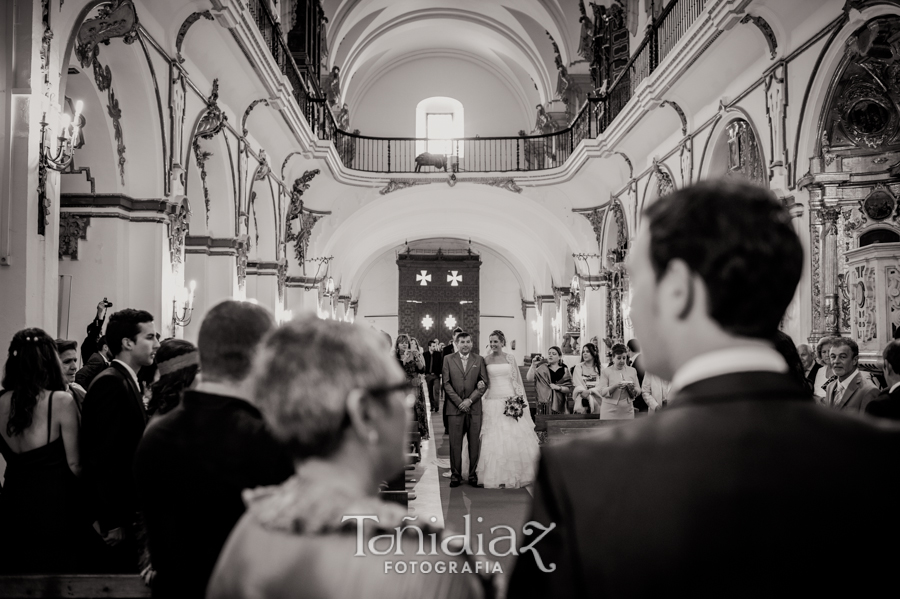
(341, 408)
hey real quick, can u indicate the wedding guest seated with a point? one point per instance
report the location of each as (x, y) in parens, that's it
(42, 526)
(825, 374)
(341, 407)
(95, 364)
(177, 363)
(194, 461)
(887, 404)
(586, 378)
(619, 387)
(68, 356)
(552, 382)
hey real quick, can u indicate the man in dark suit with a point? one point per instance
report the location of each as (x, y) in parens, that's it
(810, 365)
(730, 491)
(434, 367)
(92, 342)
(636, 361)
(113, 421)
(194, 462)
(887, 405)
(462, 372)
(97, 363)
(449, 350)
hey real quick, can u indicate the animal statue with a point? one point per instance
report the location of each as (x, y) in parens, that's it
(438, 161)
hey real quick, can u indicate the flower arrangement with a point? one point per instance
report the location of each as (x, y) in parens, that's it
(515, 407)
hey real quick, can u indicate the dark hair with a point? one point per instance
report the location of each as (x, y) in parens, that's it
(229, 339)
(891, 355)
(64, 345)
(633, 345)
(784, 345)
(101, 341)
(400, 337)
(854, 348)
(592, 349)
(499, 335)
(32, 365)
(460, 335)
(124, 324)
(618, 349)
(166, 392)
(739, 240)
(558, 351)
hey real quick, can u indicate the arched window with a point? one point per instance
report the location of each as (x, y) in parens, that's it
(439, 119)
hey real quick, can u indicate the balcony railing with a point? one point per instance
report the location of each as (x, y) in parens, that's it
(481, 154)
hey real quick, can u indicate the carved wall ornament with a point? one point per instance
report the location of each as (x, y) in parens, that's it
(182, 31)
(178, 88)
(621, 228)
(853, 220)
(202, 156)
(179, 225)
(562, 77)
(880, 204)
(247, 112)
(892, 279)
(687, 163)
(103, 79)
(306, 219)
(766, 31)
(776, 101)
(586, 38)
(262, 169)
(452, 180)
(214, 118)
(282, 271)
(744, 156)
(507, 184)
(664, 183)
(72, 227)
(680, 112)
(596, 216)
(117, 18)
(242, 250)
(395, 184)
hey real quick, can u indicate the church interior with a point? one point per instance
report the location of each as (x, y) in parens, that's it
(418, 166)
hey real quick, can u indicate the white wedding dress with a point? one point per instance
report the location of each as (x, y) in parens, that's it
(509, 447)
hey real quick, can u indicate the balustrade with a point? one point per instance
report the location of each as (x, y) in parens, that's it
(480, 154)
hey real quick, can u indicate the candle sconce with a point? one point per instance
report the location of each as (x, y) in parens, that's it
(181, 316)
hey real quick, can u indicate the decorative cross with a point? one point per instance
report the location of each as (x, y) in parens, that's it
(425, 278)
(454, 278)
(450, 322)
(427, 322)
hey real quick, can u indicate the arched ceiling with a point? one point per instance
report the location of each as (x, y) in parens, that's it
(368, 38)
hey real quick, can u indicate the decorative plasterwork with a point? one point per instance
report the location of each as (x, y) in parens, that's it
(179, 224)
(776, 102)
(452, 180)
(182, 31)
(72, 227)
(247, 112)
(664, 183)
(307, 219)
(596, 216)
(767, 32)
(202, 156)
(242, 250)
(680, 112)
(117, 18)
(282, 277)
(214, 118)
(103, 78)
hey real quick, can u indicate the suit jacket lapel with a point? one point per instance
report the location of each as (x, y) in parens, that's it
(136, 392)
(852, 386)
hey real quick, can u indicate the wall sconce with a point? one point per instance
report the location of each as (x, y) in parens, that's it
(186, 298)
(282, 316)
(65, 150)
(329, 287)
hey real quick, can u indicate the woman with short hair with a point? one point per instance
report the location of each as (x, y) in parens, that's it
(340, 407)
(618, 387)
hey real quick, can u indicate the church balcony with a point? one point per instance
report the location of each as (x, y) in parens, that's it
(637, 87)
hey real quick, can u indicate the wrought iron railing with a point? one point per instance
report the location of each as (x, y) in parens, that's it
(479, 154)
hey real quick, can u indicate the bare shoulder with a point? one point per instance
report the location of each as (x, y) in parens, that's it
(65, 400)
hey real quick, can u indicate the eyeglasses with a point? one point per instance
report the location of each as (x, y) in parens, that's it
(408, 388)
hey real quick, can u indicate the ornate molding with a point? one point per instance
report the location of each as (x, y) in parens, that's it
(182, 31)
(507, 184)
(72, 227)
(628, 162)
(596, 217)
(214, 118)
(452, 180)
(202, 156)
(680, 112)
(306, 218)
(664, 183)
(117, 18)
(103, 78)
(242, 250)
(766, 31)
(179, 224)
(244, 118)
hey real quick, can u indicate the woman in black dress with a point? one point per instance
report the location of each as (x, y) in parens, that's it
(42, 523)
(413, 364)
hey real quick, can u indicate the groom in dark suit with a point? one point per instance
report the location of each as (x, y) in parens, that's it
(112, 423)
(462, 372)
(742, 487)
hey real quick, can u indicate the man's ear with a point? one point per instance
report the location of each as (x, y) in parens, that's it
(677, 290)
(359, 411)
(127, 343)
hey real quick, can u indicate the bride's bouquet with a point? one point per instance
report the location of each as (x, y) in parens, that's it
(515, 407)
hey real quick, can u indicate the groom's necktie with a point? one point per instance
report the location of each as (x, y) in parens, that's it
(465, 361)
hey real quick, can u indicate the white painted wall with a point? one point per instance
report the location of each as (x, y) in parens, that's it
(490, 107)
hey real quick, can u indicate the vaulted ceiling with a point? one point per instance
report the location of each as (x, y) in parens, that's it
(508, 38)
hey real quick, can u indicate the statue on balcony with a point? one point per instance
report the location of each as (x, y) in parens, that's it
(334, 86)
(586, 41)
(343, 118)
(438, 161)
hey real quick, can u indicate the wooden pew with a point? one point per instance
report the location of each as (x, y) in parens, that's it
(111, 586)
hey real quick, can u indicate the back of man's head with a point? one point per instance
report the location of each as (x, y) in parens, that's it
(891, 357)
(739, 240)
(634, 346)
(229, 338)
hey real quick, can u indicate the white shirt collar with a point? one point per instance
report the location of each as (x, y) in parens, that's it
(893, 387)
(847, 380)
(131, 372)
(749, 358)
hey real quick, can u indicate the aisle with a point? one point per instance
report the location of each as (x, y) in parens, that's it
(434, 497)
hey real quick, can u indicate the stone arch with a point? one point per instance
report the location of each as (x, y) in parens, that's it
(734, 148)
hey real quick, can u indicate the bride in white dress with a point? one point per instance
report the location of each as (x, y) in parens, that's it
(509, 447)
